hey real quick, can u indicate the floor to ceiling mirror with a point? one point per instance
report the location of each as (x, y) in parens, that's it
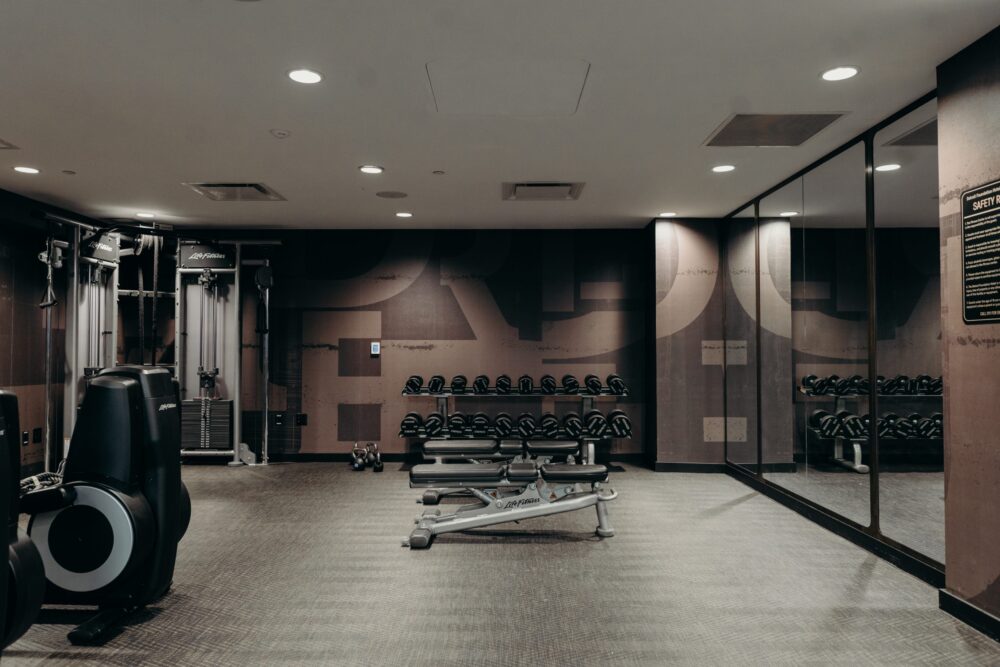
(740, 333)
(908, 307)
(814, 319)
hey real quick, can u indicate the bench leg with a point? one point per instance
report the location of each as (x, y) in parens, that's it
(604, 528)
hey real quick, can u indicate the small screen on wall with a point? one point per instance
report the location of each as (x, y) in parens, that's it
(981, 254)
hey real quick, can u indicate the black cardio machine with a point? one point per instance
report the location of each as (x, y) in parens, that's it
(107, 535)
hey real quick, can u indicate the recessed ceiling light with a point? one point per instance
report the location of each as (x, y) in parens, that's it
(404, 214)
(26, 170)
(666, 214)
(69, 172)
(370, 169)
(723, 168)
(788, 214)
(145, 215)
(305, 76)
(839, 73)
(892, 166)
(438, 172)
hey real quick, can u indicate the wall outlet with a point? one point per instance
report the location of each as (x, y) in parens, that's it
(376, 348)
(301, 419)
(279, 418)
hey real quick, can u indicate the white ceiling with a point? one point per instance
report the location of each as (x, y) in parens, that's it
(139, 96)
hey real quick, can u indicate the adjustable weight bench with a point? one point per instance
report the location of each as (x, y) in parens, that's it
(509, 492)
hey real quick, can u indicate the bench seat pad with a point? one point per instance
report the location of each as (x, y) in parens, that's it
(430, 473)
(552, 447)
(459, 447)
(567, 472)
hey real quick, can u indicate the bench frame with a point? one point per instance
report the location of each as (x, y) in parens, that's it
(504, 501)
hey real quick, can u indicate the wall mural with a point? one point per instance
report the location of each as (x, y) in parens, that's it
(465, 302)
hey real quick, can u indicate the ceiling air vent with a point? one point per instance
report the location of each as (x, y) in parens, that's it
(235, 191)
(541, 191)
(7, 146)
(921, 135)
(769, 129)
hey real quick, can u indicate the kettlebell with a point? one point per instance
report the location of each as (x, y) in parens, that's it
(358, 456)
(377, 465)
(370, 450)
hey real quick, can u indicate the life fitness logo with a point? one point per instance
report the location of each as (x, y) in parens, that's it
(97, 245)
(196, 256)
(521, 503)
(167, 406)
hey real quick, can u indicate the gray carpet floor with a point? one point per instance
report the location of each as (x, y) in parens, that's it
(302, 564)
(911, 504)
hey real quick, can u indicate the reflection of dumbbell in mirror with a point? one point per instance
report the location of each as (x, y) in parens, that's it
(620, 424)
(572, 425)
(592, 384)
(548, 384)
(596, 423)
(525, 385)
(828, 425)
(851, 425)
(459, 383)
(436, 384)
(616, 385)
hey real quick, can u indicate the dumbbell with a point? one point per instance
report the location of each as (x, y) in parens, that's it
(828, 425)
(527, 425)
(503, 425)
(436, 384)
(457, 423)
(887, 425)
(924, 426)
(596, 423)
(503, 384)
(938, 421)
(409, 425)
(852, 426)
(434, 424)
(935, 386)
(845, 386)
(808, 383)
(570, 384)
(593, 384)
(879, 384)
(459, 384)
(480, 424)
(481, 385)
(549, 425)
(820, 386)
(617, 385)
(921, 384)
(548, 384)
(413, 385)
(620, 424)
(358, 457)
(864, 386)
(525, 385)
(572, 425)
(905, 428)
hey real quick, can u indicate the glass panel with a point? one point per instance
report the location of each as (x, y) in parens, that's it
(814, 404)
(907, 244)
(740, 314)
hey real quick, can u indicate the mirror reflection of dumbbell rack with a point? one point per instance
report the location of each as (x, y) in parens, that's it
(840, 443)
(588, 403)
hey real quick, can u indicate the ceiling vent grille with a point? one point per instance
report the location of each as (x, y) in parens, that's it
(921, 135)
(766, 129)
(541, 191)
(7, 146)
(235, 191)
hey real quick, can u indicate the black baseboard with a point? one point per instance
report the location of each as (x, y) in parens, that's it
(328, 457)
(662, 466)
(903, 558)
(969, 614)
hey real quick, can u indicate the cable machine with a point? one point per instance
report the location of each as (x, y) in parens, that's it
(207, 348)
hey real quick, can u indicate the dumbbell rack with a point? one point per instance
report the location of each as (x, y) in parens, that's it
(854, 463)
(588, 402)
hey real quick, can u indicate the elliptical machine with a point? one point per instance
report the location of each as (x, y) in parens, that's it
(108, 534)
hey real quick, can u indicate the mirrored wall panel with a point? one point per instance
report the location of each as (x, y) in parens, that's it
(740, 333)
(814, 333)
(908, 307)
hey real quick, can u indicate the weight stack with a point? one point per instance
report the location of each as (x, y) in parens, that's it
(218, 419)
